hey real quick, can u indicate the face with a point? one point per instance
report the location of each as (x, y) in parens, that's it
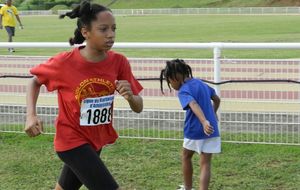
(8, 2)
(101, 35)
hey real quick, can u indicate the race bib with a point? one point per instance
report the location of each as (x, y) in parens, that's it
(96, 111)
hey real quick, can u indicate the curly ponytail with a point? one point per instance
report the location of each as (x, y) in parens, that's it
(77, 39)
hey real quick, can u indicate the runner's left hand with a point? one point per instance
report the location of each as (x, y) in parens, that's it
(124, 89)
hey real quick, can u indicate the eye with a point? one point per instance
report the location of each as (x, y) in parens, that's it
(103, 29)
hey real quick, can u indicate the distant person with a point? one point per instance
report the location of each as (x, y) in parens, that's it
(7, 19)
(86, 80)
(201, 134)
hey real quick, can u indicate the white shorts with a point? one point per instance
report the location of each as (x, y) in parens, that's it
(210, 145)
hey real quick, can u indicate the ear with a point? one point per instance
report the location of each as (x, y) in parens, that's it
(85, 33)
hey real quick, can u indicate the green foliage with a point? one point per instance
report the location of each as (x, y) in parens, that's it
(147, 4)
(15, 2)
(43, 5)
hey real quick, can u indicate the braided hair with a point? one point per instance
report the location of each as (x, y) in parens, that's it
(86, 13)
(173, 67)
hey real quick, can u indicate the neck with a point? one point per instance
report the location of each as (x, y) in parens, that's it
(187, 79)
(93, 55)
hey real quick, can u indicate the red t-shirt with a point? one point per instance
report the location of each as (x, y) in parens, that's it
(76, 79)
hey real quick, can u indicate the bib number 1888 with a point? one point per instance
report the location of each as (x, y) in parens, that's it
(96, 111)
(99, 116)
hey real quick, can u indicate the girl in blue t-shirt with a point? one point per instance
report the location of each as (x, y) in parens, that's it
(201, 132)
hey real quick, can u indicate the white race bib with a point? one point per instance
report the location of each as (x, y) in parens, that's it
(96, 111)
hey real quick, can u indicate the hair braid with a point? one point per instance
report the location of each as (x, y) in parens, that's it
(172, 68)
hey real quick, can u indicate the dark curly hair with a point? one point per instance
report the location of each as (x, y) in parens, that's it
(173, 67)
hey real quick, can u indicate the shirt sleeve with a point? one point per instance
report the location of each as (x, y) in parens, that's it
(126, 74)
(185, 98)
(212, 91)
(15, 11)
(48, 73)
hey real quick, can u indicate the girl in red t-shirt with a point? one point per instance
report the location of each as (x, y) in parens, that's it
(86, 79)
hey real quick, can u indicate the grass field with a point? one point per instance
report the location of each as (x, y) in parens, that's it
(30, 163)
(196, 28)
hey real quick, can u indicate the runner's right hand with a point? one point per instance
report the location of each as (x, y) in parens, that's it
(208, 129)
(33, 126)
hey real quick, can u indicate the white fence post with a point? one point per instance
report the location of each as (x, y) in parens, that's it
(217, 68)
(217, 76)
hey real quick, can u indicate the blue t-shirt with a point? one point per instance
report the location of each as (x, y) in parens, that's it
(195, 89)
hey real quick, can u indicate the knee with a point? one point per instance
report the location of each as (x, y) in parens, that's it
(187, 154)
(58, 187)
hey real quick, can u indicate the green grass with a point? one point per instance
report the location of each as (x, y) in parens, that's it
(196, 28)
(31, 163)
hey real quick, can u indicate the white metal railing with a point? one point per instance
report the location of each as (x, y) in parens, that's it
(36, 12)
(197, 11)
(162, 45)
(230, 10)
(216, 46)
(186, 11)
(257, 113)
